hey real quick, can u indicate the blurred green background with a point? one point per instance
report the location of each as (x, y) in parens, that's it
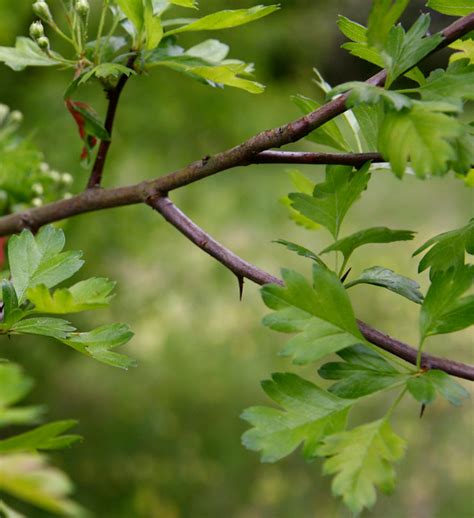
(163, 440)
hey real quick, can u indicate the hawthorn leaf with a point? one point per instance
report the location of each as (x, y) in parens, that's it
(360, 48)
(93, 293)
(363, 372)
(8, 512)
(369, 118)
(15, 386)
(331, 199)
(92, 123)
(453, 8)
(447, 249)
(364, 93)
(11, 310)
(444, 309)
(26, 53)
(211, 50)
(321, 314)
(30, 478)
(228, 75)
(404, 50)
(46, 437)
(226, 19)
(134, 11)
(99, 342)
(306, 186)
(152, 25)
(465, 50)
(328, 134)
(300, 250)
(451, 85)
(383, 15)
(361, 460)
(185, 3)
(421, 135)
(447, 387)
(309, 413)
(373, 235)
(386, 278)
(422, 389)
(44, 326)
(38, 260)
(105, 71)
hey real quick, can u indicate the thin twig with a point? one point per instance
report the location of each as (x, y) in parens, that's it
(307, 158)
(113, 96)
(242, 268)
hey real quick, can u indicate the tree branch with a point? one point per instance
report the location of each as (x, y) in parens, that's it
(243, 269)
(113, 95)
(306, 158)
(244, 154)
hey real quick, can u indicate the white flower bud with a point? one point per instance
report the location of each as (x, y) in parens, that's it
(55, 176)
(82, 8)
(41, 9)
(16, 117)
(37, 202)
(66, 179)
(67, 196)
(44, 167)
(37, 189)
(36, 30)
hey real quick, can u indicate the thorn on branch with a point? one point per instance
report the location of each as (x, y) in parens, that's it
(240, 280)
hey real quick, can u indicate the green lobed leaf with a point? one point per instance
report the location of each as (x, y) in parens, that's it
(99, 342)
(45, 326)
(447, 387)
(134, 11)
(422, 389)
(15, 385)
(364, 93)
(226, 19)
(328, 134)
(444, 309)
(26, 53)
(331, 199)
(93, 293)
(321, 314)
(383, 15)
(363, 372)
(465, 50)
(404, 50)
(369, 118)
(106, 71)
(300, 250)
(452, 7)
(447, 249)
(152, 25)
(38, 260)
(360, 48)
(451, 85)
(30, 478)
(368, 236)
(92, 123)
(46, 437)
(306, 186)
(361, 460)
(309, 413)
(386, 278)
(423, 136)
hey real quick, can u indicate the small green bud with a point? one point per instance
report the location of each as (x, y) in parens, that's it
(36, 30)
(43, 43)
(82, 8)
(41, 9)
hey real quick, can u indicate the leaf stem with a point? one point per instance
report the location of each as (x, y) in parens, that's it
(100, 30)
(394, 405)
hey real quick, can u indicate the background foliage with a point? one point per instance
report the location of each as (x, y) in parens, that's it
(164, 439)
